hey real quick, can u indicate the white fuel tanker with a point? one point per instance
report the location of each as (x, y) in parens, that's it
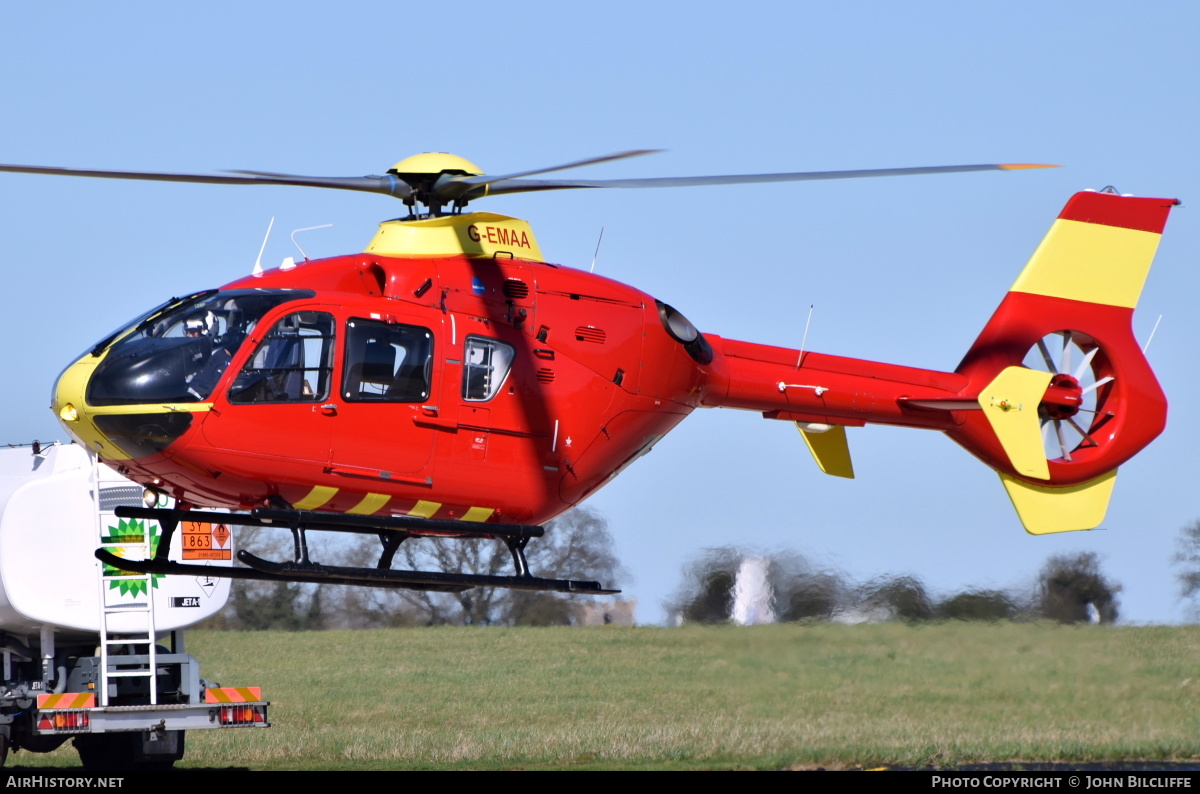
(91, 652)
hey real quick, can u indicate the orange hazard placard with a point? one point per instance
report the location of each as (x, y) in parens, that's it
(203, 541)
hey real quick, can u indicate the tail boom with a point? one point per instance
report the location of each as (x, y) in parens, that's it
(810, 387)
(1079, 291)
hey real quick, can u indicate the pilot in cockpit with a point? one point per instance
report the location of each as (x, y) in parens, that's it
(208, 361)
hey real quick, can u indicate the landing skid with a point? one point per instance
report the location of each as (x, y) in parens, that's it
(392, 531)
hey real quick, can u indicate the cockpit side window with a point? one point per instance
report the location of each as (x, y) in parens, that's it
(179, 352)
(387, 362)
(486, 364)
(292, 364)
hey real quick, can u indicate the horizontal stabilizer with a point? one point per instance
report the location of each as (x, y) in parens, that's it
(1046, 510)
(830, 449)
(1010, 403)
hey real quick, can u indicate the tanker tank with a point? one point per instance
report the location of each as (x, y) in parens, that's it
(50, 526)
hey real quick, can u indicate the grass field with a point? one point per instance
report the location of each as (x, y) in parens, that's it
(696, 697)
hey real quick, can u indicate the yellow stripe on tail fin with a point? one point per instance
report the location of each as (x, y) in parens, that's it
(1098, 397)
(1090, 262)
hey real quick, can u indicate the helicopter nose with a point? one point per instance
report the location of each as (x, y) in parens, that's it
(67, 402)
(114, 432)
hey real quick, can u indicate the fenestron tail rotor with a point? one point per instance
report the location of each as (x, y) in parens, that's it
(1081, 374)
(437, 180)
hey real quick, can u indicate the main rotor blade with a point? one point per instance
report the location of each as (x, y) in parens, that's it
(389, 185)
(488, 179)
(530, 185)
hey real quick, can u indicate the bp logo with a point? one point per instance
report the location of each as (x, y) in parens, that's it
(130, 531)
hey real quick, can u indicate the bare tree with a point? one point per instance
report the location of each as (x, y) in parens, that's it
(1187, 557)
(290, 606)
(261, 606)
(577, 545)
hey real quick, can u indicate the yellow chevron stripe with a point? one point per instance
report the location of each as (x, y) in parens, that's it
(319, 495)
(1090, 262)
(67, 700)
(369, 504)
(425, 509)
(478, 514)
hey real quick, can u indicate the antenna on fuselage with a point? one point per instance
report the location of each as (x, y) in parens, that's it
(804, 339)
(592, 269)
(306, 229)
(258, 268)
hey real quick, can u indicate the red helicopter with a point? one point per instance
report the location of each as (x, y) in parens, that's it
(449, 382)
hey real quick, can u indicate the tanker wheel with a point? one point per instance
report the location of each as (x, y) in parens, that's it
(121, 752)
(3, 749)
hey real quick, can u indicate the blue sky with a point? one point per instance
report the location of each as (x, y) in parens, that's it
(899, 270)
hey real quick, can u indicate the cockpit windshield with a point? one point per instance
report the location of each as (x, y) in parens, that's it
(178, 355)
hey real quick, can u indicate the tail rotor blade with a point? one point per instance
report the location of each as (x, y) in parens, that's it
(1062, 439)
(1041, 344)
(1087, 362)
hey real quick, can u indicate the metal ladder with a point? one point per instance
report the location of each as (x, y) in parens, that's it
(136, 665)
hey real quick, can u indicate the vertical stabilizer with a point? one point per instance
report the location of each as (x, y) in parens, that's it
(1066, 392)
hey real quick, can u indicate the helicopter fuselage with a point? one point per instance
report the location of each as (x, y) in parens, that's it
(504, 389)
(447, 372)
(494, 389)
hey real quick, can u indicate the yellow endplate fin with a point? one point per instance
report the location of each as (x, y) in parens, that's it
(1010, 403)
(1046, 510)
(830, 450)
(1090, 262)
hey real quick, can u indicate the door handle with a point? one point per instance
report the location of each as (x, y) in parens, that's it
(427, 416)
